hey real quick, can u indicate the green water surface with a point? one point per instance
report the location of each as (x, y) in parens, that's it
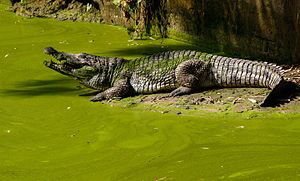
(48, 132)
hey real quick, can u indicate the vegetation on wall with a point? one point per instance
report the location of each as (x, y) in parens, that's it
(149, 17)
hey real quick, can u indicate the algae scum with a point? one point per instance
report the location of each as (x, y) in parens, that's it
(48, 132)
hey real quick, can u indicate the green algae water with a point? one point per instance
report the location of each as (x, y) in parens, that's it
(48, 132)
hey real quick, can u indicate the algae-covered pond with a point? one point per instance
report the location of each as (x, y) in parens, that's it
(48, 132)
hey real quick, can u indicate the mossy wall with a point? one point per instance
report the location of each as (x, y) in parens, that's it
(258, 28)
(263, 29)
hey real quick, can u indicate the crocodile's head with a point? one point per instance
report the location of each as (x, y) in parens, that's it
(78, 66)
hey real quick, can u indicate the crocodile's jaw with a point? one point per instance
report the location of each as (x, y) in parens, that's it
(86, 74)
(78, 67)
(69, 64)
(59, 67)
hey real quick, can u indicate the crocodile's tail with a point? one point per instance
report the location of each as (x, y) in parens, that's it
(234, 72)
(274, 75)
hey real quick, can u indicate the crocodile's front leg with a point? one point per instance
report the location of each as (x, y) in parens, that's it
(121, 89)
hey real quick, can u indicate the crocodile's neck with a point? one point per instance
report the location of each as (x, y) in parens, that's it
(110, 70)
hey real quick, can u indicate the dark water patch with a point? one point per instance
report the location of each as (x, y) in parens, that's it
(139, 50)
(35, 83)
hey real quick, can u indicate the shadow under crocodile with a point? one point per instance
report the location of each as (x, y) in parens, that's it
(50, 87)
(282, 94)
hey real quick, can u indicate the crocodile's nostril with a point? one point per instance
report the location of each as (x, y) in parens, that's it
(49, 50)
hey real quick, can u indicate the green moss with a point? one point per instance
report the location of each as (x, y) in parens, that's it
(48, 132)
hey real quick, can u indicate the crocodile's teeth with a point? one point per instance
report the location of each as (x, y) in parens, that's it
(48, 63)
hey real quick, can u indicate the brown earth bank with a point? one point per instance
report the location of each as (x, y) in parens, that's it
(268, 30)
(233, 100)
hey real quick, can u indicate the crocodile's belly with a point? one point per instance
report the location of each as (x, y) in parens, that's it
(155, 81)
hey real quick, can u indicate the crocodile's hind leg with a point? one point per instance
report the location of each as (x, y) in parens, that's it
(121, 89)
(191, 76)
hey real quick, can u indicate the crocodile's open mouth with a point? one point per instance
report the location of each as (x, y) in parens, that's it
(68, 64)
(62, 67)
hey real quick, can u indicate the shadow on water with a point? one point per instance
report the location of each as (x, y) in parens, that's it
(43, 87)
(136, 51)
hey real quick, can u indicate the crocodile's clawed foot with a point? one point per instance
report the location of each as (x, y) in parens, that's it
(97, 99)
(181, 91)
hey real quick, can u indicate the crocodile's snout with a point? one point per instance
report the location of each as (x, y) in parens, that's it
(49, 50)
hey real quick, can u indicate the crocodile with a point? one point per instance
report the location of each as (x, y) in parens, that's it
(177, 72)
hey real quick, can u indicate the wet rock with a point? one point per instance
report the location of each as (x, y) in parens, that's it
(164, 112)
(252, 101)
